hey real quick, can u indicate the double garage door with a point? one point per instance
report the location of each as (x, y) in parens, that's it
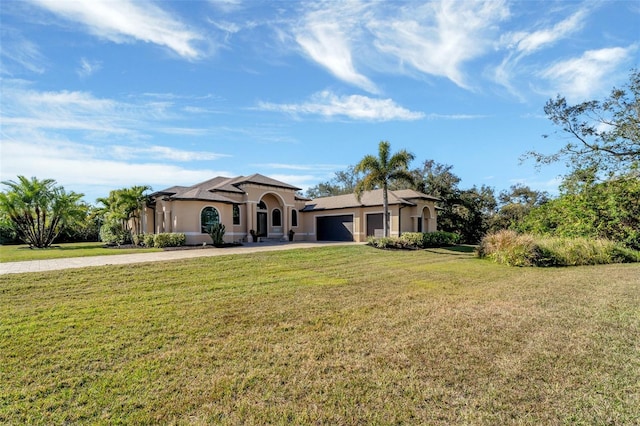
(334, 228)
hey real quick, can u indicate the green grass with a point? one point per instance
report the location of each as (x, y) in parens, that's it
(333, 335)
(17, 253)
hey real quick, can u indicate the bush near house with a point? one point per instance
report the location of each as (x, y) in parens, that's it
(416, 240)
(113, 233)
(510, 248)
(169, 240)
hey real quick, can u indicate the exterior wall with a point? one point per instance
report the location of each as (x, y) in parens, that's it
(184, 216)
(401, 218)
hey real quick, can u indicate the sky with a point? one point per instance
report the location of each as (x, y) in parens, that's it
(107, 94)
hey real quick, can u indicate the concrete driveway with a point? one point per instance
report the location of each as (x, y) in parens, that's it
(162, 256)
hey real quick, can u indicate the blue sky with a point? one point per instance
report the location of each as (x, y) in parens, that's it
(100, 95)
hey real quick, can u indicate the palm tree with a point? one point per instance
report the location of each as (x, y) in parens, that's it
(39, 210)
(123, 208)
(380, 171)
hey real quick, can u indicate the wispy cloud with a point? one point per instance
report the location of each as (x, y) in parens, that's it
(529, 42)
(40, 130)
(123, 21)
(580, 78)
(439, 38)
(88, 67)
(128, 152)
(355, 107)
(519, 45)
(21, 52)
(69, 110)
(326, 36)
(77, 165)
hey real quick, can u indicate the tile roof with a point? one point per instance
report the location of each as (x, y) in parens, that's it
(212, 189)
(368, 199)
(259, 179)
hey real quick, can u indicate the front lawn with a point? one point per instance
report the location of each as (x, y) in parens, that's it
(330, 335)
(17, 253)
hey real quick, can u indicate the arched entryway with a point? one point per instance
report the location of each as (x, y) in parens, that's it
(426, 220)
(271, 218)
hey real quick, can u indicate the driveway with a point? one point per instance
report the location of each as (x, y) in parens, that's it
(162, 256)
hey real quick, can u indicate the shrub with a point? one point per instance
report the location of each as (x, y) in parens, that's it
(413, 239)
(216, 231)
(114, 233)
(382, 242)
(440, 239)
(148, 240)
(416, 240)
(510, 248)
(169, 240)
(7, 233)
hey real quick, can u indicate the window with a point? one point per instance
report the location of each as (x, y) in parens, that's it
(208, 218)
(276, 218)
(236, 214)
(294, 218)
(262, 205)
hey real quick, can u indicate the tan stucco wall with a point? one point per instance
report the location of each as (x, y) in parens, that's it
(406, 222)
(184, 216)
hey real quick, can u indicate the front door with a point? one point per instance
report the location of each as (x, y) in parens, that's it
(262, 224)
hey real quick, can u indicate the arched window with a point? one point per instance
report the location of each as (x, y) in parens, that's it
(262, 205)
(276, 218)
(294, 218)
(236, 214)
(208, 217)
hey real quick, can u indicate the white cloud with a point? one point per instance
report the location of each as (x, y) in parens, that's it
(17, 50)
(355, 107)
(522, 44)
(156, 152)
(529, 42)
(122, 21)
(579, 79)
(439, 38)
(227, 6)
(88, 67)
(326, 35)
(91, 170)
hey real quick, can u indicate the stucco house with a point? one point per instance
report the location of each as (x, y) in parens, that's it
(272, 208)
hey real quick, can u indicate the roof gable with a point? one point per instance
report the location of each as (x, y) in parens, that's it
(214, 189)
(258, 179)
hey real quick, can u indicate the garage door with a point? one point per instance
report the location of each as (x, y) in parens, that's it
(335, 228)
(375, 227)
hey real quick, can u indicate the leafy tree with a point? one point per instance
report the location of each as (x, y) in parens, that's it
(87, 229)
(465, 212)
(436, 179)
(515, 205)
(604, 134)
(344, 182)
(379, 171)
(39, 210)
(587, 207)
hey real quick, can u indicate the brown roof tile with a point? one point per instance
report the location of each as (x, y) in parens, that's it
(369, 198)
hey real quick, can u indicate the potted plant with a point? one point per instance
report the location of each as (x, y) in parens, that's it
(291, 234)
(254, 236)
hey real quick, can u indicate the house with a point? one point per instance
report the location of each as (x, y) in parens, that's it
(272, 209)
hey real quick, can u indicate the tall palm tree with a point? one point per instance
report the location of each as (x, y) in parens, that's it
(379, 171)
